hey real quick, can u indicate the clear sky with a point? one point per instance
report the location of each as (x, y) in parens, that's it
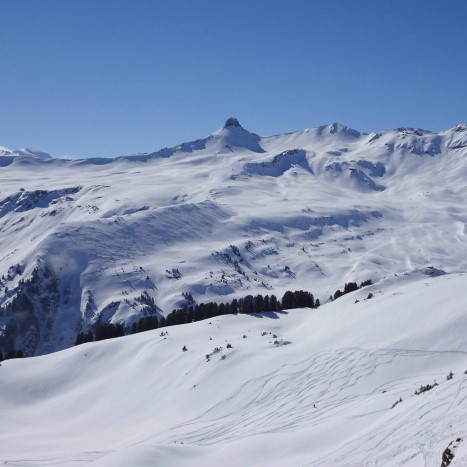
(110, 77)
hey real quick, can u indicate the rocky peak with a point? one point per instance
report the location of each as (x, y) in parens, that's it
(232, 122)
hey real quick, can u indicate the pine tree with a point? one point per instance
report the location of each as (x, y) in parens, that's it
(288, 301)
(273, 303)
(211, 309)
(248, 304)
(221, 309)
(337, 294)
(350, 287)
(258, 305)
(181, 316)
(190, 315)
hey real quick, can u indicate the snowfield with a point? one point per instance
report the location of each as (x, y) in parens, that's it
(321, 392)
(376, 377)
(232, 214)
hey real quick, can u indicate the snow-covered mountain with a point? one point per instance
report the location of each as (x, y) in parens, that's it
(357, 382)
(28, 152)
(221, 217)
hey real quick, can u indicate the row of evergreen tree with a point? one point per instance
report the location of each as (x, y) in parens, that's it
(198, 312)
(349, 287)
(248, 304)
(101, 332)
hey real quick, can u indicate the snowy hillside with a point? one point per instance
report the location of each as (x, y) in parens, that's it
(349, 384)
(228, 215)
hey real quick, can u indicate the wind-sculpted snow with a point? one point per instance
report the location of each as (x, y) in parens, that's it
(279, 164)
(364, 181)
(26, 200)
(458, 138)
(308, 210)
(306, 220)
(360, 180)
(374, 170)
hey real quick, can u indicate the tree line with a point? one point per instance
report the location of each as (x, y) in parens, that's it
(349, 287)
(197, 312)
(248, 304)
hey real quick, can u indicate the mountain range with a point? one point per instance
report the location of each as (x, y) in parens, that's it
(110, 240)
(373, 377)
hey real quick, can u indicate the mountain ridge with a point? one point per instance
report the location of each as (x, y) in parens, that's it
(308, 210)
(233, 123)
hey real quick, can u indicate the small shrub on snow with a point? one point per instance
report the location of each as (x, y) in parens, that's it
(425, 388)
(397, 402)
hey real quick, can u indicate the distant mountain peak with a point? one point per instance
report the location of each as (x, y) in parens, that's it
(24, 152)
(342, 129)
(233, 135)
(31, 152)
(4, 151)
(232, 122)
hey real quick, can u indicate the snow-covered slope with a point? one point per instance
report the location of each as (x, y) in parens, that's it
(233, 213)
(328, 387)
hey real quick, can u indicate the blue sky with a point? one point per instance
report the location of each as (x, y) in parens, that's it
(110, 77)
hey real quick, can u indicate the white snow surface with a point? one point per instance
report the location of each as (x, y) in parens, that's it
(307, 210)
(325, 399)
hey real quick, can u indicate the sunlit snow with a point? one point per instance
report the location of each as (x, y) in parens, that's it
(235, 214)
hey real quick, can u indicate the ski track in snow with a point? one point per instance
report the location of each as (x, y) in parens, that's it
(309, 393)
(285, 399)
(397, 445)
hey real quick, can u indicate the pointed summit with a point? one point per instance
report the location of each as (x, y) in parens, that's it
(233, 136)
(232, 122)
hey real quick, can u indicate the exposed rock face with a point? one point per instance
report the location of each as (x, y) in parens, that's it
(232, 122)
(449, 452)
